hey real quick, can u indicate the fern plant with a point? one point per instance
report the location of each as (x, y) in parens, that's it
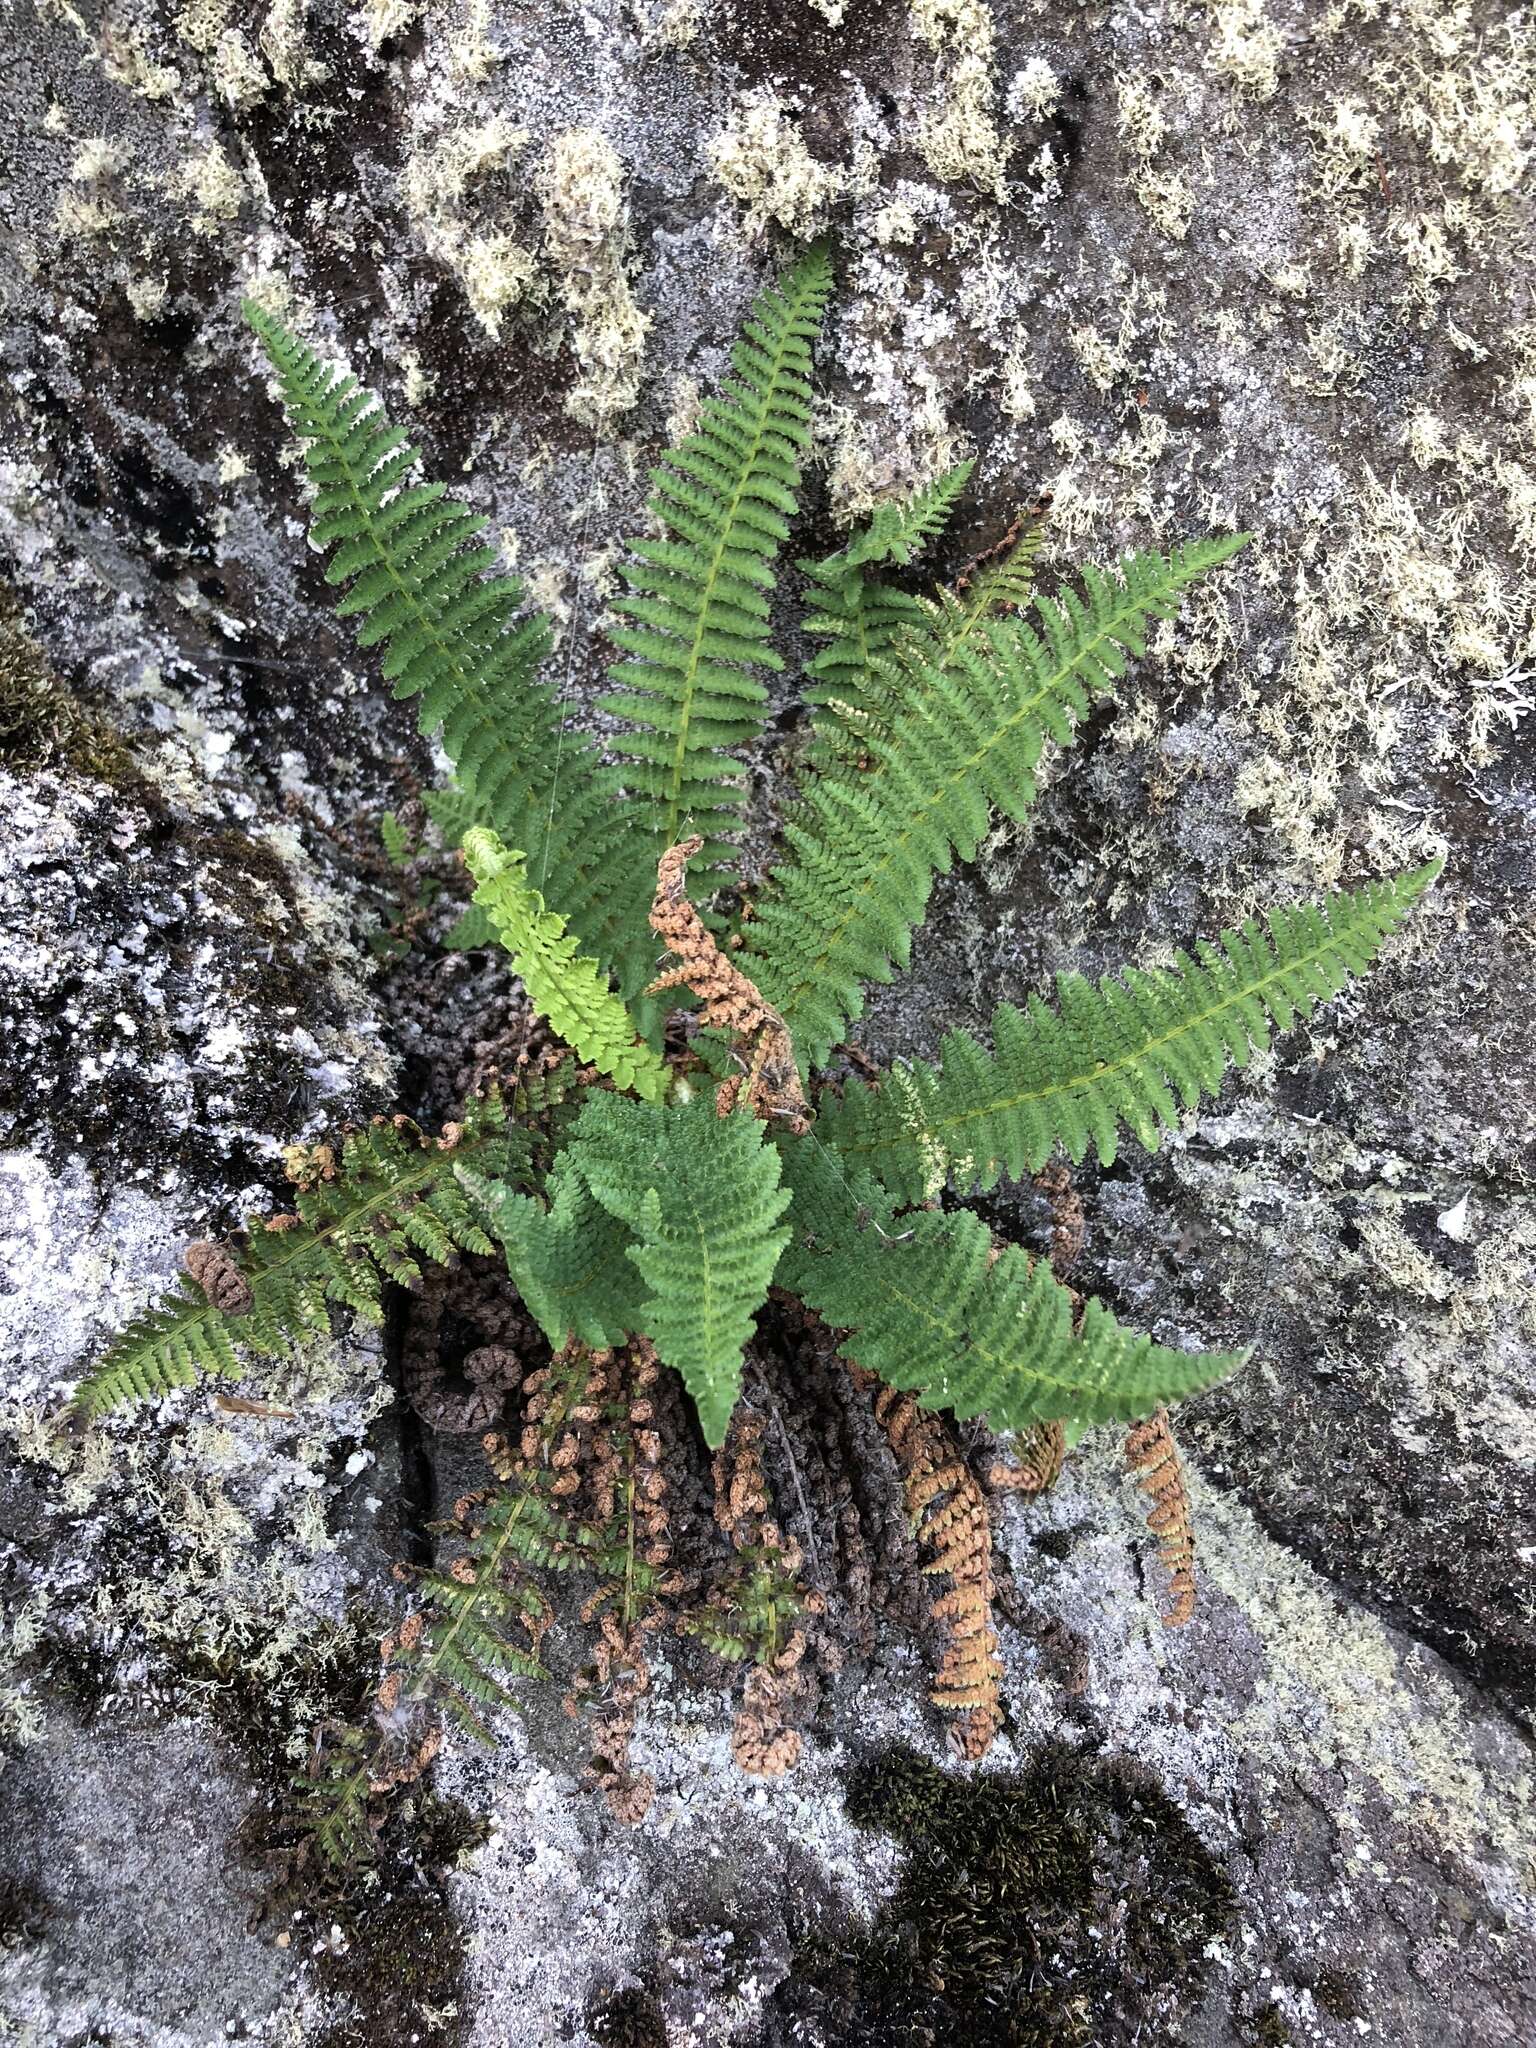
(685, 1177)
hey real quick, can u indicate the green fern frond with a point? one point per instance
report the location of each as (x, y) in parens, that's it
(861, 617)
(701, 1193)
(928, 1304)
(394, 1201)
(417, 582)
(465, 1654)
(979, 703)
(330, 1806)
(567, 989)
(1127, 1052)
(898, 529)
(570, 1261)
(397, 847)
(1004, 578)
(697, 608)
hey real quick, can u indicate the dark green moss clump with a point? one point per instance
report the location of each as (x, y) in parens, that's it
(41, 723)
(398, 1969)
(627, 2019)
(1066, 1907)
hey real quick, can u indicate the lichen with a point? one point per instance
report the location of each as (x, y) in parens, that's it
(586, 239)
(761, 159)
(959, 136)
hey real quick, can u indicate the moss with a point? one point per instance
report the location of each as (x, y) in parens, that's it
(1337, 1993)
(23, 1912)
(395, 1959)
(41, 724)
(1069, 1904)
(1269, 2030)
(401, 1970)
(628, 2019)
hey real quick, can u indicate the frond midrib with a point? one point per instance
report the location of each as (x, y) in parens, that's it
(1107, 1069)
(896, 841)
(702, 622)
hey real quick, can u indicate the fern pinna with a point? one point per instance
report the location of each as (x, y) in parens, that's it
(647, 1200)
(389, 1199)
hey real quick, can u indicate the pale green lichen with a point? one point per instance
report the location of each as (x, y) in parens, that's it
(586, 242)
(1245, 47)
(1164, 194)
(761, 159)
(958, 133)
(457, 191)
(213, 187)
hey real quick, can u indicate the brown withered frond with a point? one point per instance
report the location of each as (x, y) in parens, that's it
(609, 1459)
(1069, 1224)
(215, 1270)
(1153, 1456)
(728, 1000)
(1040, 1455)
(755, 1612)
(949, 1515)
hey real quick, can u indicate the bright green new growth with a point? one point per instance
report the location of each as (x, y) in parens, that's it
(565, 987)
(1112, 1055)
(702, 1195)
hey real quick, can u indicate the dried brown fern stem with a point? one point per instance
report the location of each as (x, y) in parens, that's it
(1153, 1456)
(764, 1595)
(614, 1455)
(949, 1514)
(728, 1001)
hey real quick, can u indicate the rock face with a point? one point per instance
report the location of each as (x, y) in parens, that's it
(1259, 264)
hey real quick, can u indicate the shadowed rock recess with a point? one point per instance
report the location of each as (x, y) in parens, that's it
(1231, 263)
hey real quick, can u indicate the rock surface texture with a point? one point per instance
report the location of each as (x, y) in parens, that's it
(1193, 265)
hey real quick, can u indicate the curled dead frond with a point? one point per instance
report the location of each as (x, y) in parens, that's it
(753, 1613)
(1039, 1454)
(762, 1741)
(949, 1515)
(493, 1372)
(1151, 1453)
(729, 1001)
(1069, 1224)
(214, 1268)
